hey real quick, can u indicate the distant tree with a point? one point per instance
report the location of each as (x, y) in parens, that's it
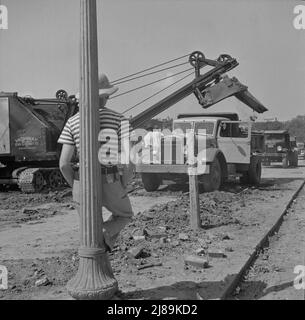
(296, 127)
(269, 125)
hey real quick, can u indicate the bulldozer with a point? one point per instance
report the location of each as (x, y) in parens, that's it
(29, 130)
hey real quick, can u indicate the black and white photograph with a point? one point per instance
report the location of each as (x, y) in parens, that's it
(152, 153)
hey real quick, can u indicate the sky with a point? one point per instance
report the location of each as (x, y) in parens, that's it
(39, 53)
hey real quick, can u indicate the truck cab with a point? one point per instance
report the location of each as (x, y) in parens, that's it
(223, 147)
(280, 147)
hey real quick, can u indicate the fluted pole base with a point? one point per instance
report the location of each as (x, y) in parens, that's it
(94, 279)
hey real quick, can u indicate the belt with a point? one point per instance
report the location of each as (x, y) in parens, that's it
(109, 170)
(104, 171)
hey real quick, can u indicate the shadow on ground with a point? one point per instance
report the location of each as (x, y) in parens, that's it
(255, 290)
(206, 290)
(270, 182)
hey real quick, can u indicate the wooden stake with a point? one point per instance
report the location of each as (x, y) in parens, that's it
(94, 279)
(193, 184)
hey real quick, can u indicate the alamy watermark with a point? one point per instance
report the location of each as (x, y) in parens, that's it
(299, 280)
(3, 17)
(153, 147)
(299, 19)
(3, 278)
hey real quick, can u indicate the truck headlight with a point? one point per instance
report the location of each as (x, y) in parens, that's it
(279, 148)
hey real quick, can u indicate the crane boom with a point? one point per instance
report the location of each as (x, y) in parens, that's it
(209, 88)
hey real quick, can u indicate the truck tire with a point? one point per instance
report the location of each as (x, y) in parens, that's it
(151, 181)
(214, 179)
(254, 173)
(295, 160)
(285, 163)
(244, 179)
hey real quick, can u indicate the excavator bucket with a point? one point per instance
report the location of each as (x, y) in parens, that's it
(247, 98)
(226, 88)
(219, 91)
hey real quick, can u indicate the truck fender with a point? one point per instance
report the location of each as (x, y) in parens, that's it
(212, 154)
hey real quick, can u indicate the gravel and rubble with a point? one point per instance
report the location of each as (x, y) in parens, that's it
(153, 236)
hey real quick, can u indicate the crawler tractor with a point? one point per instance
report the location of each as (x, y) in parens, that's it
(29, 130)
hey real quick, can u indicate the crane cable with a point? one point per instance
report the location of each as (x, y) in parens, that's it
(148, 69)
(151, 83)
(148, 74)
(129, 109)
(138, 75)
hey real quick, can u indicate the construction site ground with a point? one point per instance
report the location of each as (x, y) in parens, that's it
(39, 239)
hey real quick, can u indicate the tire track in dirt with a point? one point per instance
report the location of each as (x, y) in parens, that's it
(271, 275)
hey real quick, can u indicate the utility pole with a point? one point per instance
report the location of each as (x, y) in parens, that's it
(94, 279)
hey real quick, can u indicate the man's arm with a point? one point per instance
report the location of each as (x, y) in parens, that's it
(126, 167)
(65, 163)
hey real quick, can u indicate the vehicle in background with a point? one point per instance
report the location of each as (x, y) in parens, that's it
(280, 147)
(301, 150)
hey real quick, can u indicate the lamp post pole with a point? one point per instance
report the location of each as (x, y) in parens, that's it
(94, 279)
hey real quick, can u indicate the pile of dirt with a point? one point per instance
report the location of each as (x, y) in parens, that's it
(165, 230)
(14, 200)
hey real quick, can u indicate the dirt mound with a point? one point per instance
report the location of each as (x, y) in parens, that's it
(14, 200)
(165, 229)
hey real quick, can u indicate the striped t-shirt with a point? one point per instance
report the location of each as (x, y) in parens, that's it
(113, 126)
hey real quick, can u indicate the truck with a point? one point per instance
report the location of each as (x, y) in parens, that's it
(280, 147)
(231, 150)
(29, 130)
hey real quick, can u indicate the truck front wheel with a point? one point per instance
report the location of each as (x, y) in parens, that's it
(151, 181)
(214, 179)
(254, 173)
(294, 160)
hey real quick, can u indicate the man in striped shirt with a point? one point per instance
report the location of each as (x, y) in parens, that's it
(114, 181)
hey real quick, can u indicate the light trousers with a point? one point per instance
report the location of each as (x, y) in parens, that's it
(116, 200)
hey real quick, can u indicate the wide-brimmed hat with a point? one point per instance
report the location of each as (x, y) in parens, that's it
(104, 86)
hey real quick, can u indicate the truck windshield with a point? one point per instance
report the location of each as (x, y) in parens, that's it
(183, 126)
(275, 138)
(207, 125)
